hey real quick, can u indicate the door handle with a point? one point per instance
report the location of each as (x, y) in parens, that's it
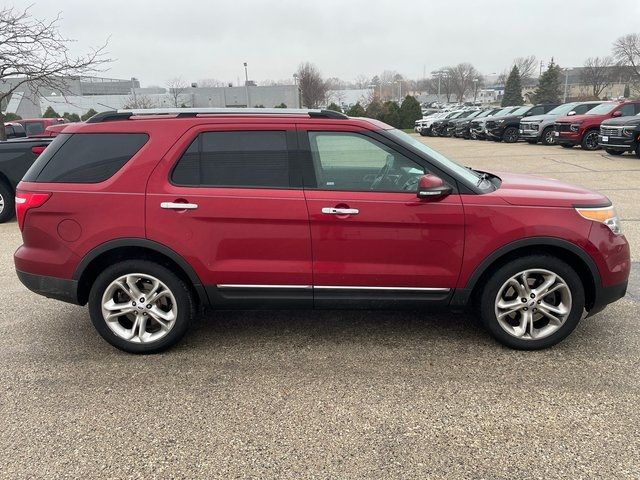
(178, 206)
(340, 211)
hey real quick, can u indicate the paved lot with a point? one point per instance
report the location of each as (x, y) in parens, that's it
(329, 394)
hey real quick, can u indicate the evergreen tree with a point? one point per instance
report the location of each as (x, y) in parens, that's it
(513, 89)
(335, 107)
(410, 111)
(390, 114)
(374, 109)
(549, 89)
(50, 113)
(10, 117)
(72, 117)
(282, 105)
(627, 91)
(356, 110)
(90, 113)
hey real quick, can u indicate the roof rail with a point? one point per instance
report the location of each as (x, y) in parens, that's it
(125, 114)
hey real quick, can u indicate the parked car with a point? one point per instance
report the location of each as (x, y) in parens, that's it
(426, 127)
(620, 135)
(463, 126)
(584, 129)
(423, 125)
(16, 156)
(449, 127)
(14, 130)
(439, 127)
(539, 128)
(477, 128)
(506, 127)
(287, 208)
(37, 126)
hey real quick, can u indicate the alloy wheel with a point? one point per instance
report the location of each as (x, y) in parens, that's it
(591, 140)
(139, 308)
(549, 137)
(533, 304)
(1, 203)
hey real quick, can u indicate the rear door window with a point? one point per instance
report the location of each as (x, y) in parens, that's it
(628, 109)
(34, 128)
(85, 157)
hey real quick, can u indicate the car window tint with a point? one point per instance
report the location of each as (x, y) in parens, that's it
(88, 157)
(353, 162)
(35, 128)
(580, 109)
(255, 159)
(628, 109)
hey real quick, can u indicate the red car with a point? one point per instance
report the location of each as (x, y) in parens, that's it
(583, 129)
(37, 126)
(149, 215)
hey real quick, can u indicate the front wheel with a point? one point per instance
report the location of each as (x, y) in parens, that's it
(7, 206)
(532, 302)
(590, 140)
(510, 135)
(548, 136)
(140, 306)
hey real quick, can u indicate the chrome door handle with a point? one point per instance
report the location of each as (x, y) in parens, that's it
(179, 206)
(340, 211)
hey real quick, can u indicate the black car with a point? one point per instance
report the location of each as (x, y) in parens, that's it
(441, 127)
(506, 128)
(463, 126)
(619, 135)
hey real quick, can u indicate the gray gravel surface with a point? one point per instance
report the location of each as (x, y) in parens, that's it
(301, 394)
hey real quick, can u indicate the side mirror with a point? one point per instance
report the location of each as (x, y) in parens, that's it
(617, 113)
(571, 113)
(430, 186)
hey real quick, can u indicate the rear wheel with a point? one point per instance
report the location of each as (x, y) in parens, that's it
(140, 306)
(510, 135)
(611, 151)
(7, 205)
(532, 302)
(548, 137)
(590, 140)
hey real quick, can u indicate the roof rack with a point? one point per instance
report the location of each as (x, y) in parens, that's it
(125, 114)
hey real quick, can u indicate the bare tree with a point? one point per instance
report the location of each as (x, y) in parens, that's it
(462, 78)
(527, 67)
(139, 102)
(34, 55)
(313, 89)
(211, 83)
(177, 88)
(626, 51)
(362, 81)
(598, 73)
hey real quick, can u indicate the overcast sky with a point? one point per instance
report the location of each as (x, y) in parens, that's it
(155, 40)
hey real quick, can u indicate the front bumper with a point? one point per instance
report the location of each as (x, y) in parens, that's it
(607, 295)
(495, 132)
(51, 287)
(623, 144)
(567, 138)
(527, 133)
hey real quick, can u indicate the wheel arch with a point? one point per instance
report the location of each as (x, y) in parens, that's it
(134, 248)
(572, 254)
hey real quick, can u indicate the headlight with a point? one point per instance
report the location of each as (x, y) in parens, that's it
(575, 127)
(606, 215)
(628, 131)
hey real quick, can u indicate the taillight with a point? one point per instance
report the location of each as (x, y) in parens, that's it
(38, 150)
(25, 201)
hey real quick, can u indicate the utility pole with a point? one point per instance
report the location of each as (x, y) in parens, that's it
(246, 84)
(566, 84)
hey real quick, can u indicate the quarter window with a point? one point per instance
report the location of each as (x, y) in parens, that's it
(628, 109)
(255, 159)
(353, 162)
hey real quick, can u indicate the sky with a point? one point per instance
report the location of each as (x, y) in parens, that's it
(157, 40)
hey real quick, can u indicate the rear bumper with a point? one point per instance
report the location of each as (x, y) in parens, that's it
(51, 287)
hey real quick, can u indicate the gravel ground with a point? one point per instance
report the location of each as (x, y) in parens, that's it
(305, 394)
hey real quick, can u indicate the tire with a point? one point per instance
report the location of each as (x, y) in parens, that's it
(590, 140)
(423, 134)
(7, 203)
(178, 304)
(547, 136)
(510, 135)
(570, 298)
(611, 151)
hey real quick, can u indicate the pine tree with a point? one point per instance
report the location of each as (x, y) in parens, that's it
(627, 91)
(50, 113)
(90, 113)
(335, 107)
(549, 89)
(390, 114)
(513, 89)
(410, 111)
(356, 110)
(374, 109)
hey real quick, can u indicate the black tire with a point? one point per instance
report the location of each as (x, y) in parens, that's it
(7, 205)
(186, 307)
(510, 135)
(547, 136)
(423, 134)
(611, 151)
(590, 140)
(505, 272)
(564, 145)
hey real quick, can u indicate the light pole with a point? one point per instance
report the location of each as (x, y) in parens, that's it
(438, 73)
(566, 84)
(246, 84)
(475, 89)
(295, 82)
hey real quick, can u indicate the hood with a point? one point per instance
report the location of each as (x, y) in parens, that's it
(580, 118)
(540, 118)
(619, 121)
(533, 190)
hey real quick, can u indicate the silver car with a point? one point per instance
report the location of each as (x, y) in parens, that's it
(539, 128)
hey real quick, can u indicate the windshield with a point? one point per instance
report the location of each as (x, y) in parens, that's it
(502, 112)
(602, 108)
(485, 113)
(469, 175)
(520, 111)
(562, 109)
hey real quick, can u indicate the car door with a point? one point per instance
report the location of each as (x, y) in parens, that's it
(229, 201)
(372, 238)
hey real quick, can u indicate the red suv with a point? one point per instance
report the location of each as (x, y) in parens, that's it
(149, 215)
(583, 129)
